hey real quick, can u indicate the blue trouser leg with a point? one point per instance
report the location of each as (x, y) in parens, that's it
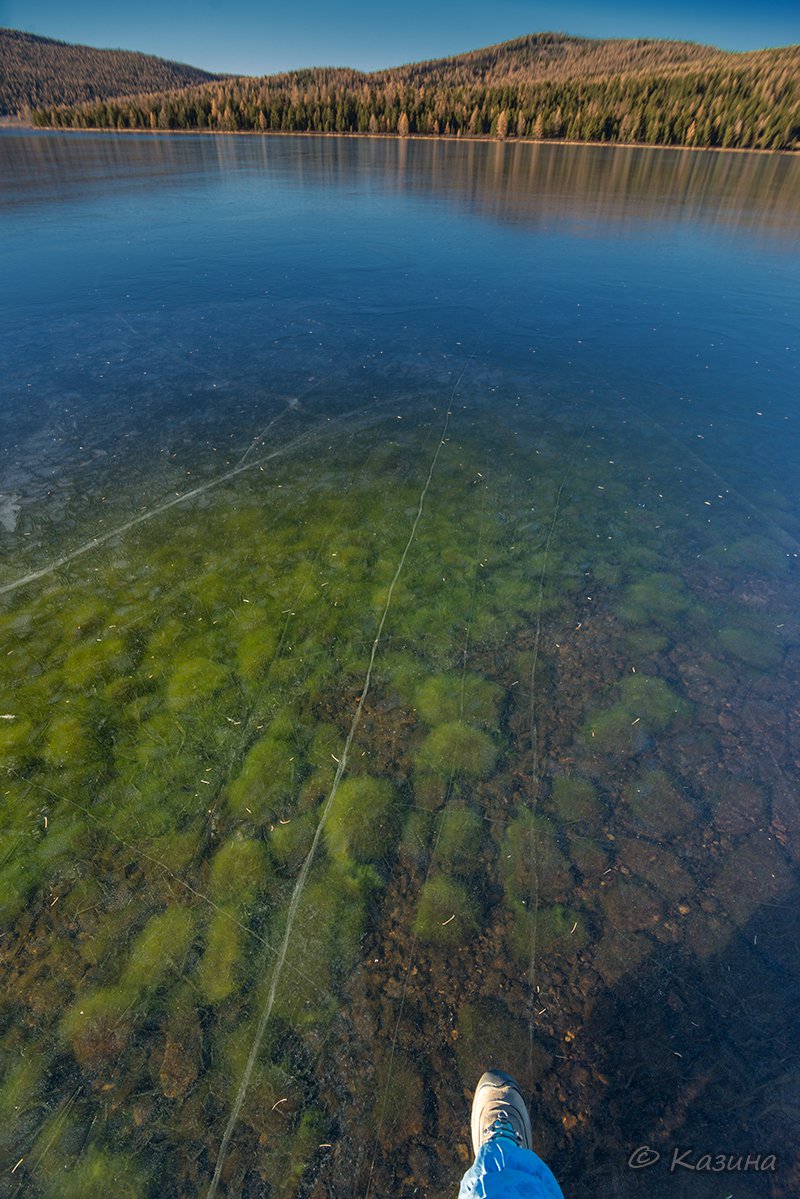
(504, 1171)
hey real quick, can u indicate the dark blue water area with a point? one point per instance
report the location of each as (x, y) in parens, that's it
(400, 618)
(664, 281)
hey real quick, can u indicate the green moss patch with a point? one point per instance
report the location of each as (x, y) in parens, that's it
(488, 1037)
(265, 787)
(457, 749)
(362, 822)
(239, 869)
(647, 705)
(759, 649)
(546, 930)
(467, 698)
(462, 834)
(446, 915)
(575, 799)
(218, 970)
(193, 681)
(532, 866)
(658, 599)
(656, 806)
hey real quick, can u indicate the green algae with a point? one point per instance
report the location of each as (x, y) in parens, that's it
(291, 840)
(68, 741)
(185, 791)
(255, 652)
(659, 599)
(545, 930)
(194, 680)
(758, 648)
(754, 552)
(414, 845)
(23, 1094)
(98, 1173)
(98, 1025)
(456, 749)
(431, 790)
(265, 788)
(159, 948)
(453, 698)
(399, 1090)
(402, 675)
(238, 871)
(99, 1022)
(629, 905)
(446, 915)
(646, 641)
(647, 705)
(16, 741)
(651, 697)
(330, 922)
(461, 836)
(293, 1154)
(575, 799)
(362, 820)
(84, 618)
(92, 661)
(218, 971)
(532, 865)
(589, 857)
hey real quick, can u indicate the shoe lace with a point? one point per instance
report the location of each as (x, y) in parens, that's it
(501, 1128)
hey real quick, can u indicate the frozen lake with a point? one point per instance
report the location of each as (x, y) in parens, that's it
(399, 596)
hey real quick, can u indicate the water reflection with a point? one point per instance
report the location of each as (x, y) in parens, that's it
(536, 185)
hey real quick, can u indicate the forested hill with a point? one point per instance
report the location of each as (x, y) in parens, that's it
(545, 86)
(36, 71)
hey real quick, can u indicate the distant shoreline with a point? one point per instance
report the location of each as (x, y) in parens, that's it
(16, 123)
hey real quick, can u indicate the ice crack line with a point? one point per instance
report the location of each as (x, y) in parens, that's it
(102, 538)
(299, 886)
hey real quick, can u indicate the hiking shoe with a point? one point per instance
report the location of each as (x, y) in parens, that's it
(499, 1112)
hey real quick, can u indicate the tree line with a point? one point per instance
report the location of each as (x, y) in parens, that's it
(678, 95)
(37, 71)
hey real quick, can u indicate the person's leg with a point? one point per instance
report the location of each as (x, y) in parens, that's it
(505, 1164)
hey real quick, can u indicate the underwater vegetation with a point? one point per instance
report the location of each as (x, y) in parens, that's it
(399, 1091)
(489, 1035)
(453, 698)
(461, 836)
(362, 821)
(265, 788)
(657, 806)
(532, 865)
(647, 705)
(544, 930)
(657, 600)
(457, 749)
(178, 707)
(575, 799)
(99, 1022)
(755, 647)
(446, 915)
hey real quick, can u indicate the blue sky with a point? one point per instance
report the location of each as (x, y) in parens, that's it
(261, 36)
